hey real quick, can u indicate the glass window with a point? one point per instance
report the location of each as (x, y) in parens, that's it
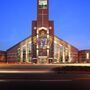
(24, 54)
(42, 43)
(87, 55)
(66, 55)
(61, 53)
(18, 55)
(29, 51)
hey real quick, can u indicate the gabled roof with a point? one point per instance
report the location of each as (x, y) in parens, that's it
(2, 51)
(66, 42)
(31, 36)
(19, 43)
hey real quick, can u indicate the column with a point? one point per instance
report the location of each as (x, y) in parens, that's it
(69, 53)
(63, 56)
(58, 58)
(47, 56)
(21, 54)
(26, 53)
(37, 56)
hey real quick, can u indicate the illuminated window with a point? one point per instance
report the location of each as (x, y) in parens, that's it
(55, 50)
(61, 53)
(24, 54)
(87, 55)
(61, 49)
(66, 55)
(29, 51)
(43, 4)
(42, 43)
(18, 55)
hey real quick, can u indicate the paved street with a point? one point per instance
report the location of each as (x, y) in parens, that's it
(44, 81)
(39, 76)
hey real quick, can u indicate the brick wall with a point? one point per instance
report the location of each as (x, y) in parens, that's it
(12, 54)
(2, 56)
(74, 55)
(83, 56)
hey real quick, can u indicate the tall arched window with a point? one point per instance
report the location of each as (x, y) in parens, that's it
(24, 54)
(42, 43)
(29, 52)
(61, 53)
(66, 55)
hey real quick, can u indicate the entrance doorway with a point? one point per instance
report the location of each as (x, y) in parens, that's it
(42, 60)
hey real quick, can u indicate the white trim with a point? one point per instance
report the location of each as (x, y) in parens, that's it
(69, 53)
(42, 28)
(63, 56)
(21, 55)
(42, 57)
(34, 58)
(37, 52)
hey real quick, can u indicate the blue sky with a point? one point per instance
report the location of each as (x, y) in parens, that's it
(71, 19)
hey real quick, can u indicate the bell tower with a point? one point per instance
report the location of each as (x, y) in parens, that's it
(42, 13)
(42, 35)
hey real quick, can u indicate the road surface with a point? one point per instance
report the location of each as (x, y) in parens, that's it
(17, 77)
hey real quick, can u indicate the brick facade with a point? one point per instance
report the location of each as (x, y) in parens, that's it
(3, 56)
(83, 56)
(12, 53)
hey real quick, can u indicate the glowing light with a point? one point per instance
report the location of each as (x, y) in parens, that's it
(5, 71)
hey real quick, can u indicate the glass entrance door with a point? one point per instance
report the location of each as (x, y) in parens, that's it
(42, 61)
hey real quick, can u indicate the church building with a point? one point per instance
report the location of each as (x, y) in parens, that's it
(43, 47)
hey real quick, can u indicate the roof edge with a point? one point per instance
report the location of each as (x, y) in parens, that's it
(18, 43)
